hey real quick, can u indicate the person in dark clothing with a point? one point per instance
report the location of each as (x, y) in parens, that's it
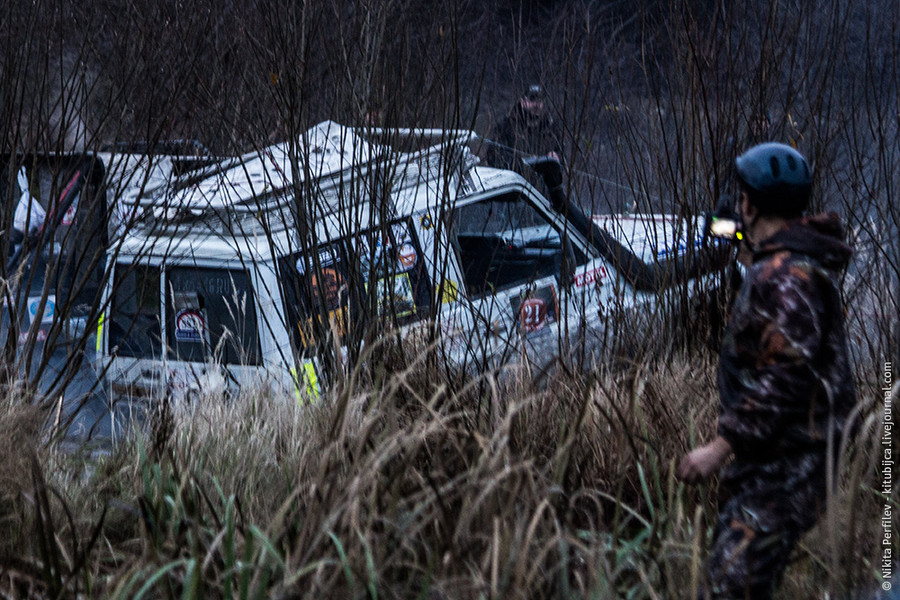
(526, 130)
(784, 379)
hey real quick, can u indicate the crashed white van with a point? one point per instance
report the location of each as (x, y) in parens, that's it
(277, 266)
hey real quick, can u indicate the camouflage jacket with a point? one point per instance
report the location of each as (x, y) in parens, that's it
(784, 370)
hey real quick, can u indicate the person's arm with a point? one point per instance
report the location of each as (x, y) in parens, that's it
(776, 348)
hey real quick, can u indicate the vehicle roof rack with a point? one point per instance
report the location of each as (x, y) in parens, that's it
(331, 160)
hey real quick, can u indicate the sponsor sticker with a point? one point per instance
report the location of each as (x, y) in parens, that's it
(535, 310)
(533, 315)
(34, 305)
(449, 292)
(395, 294)
(407, 257)
(328, 286)
(588, 277)
(326, 258)
(189, 325)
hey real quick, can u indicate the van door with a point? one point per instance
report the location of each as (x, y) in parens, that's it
(518, 261)
(211, 329)
(179, 329)
(346, 290)
(449, 329)
(134, 335)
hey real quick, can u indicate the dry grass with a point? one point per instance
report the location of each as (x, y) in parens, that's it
(398, 490)
(20, 437)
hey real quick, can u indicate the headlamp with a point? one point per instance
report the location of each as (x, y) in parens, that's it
(724, 228)
(724, 223)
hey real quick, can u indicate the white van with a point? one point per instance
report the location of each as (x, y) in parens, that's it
(254, 269)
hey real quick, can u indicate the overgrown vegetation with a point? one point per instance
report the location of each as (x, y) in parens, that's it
(406, 480)
(405, 491)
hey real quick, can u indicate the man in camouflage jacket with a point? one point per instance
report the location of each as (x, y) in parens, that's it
(784, 379)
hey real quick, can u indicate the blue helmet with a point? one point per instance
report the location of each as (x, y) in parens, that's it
(776, 177)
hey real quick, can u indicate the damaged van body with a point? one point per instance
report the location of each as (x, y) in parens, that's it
(282, 266)
(289, 260)
(53, 265)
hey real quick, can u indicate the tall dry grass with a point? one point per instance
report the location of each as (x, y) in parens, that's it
(402, 489)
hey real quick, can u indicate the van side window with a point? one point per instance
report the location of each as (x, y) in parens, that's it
(210, 311)
(504, 242)
(134, 324)
(396, 283)
(378, 273)
(312, 290)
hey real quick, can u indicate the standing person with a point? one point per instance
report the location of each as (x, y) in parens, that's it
(526, 130)
(784, 378)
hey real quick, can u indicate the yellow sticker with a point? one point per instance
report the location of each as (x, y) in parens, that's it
(99, 332)
(449, 292)
(312, 383)
(310, 380)
(395, 293)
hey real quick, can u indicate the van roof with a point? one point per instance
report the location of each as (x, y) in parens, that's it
(239, 204)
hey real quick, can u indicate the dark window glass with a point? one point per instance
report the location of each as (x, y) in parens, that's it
(134, 324)
(397, 286)
(504, 242)
(317, 296)
(211, 313)
(377, 274)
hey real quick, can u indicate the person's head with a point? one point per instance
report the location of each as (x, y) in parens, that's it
(532, 101)
(534, 93)
(776, 183)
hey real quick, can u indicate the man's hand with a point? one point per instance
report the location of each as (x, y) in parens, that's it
(702, 463)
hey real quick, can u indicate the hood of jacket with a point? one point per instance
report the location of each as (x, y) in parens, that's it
(820, 237)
